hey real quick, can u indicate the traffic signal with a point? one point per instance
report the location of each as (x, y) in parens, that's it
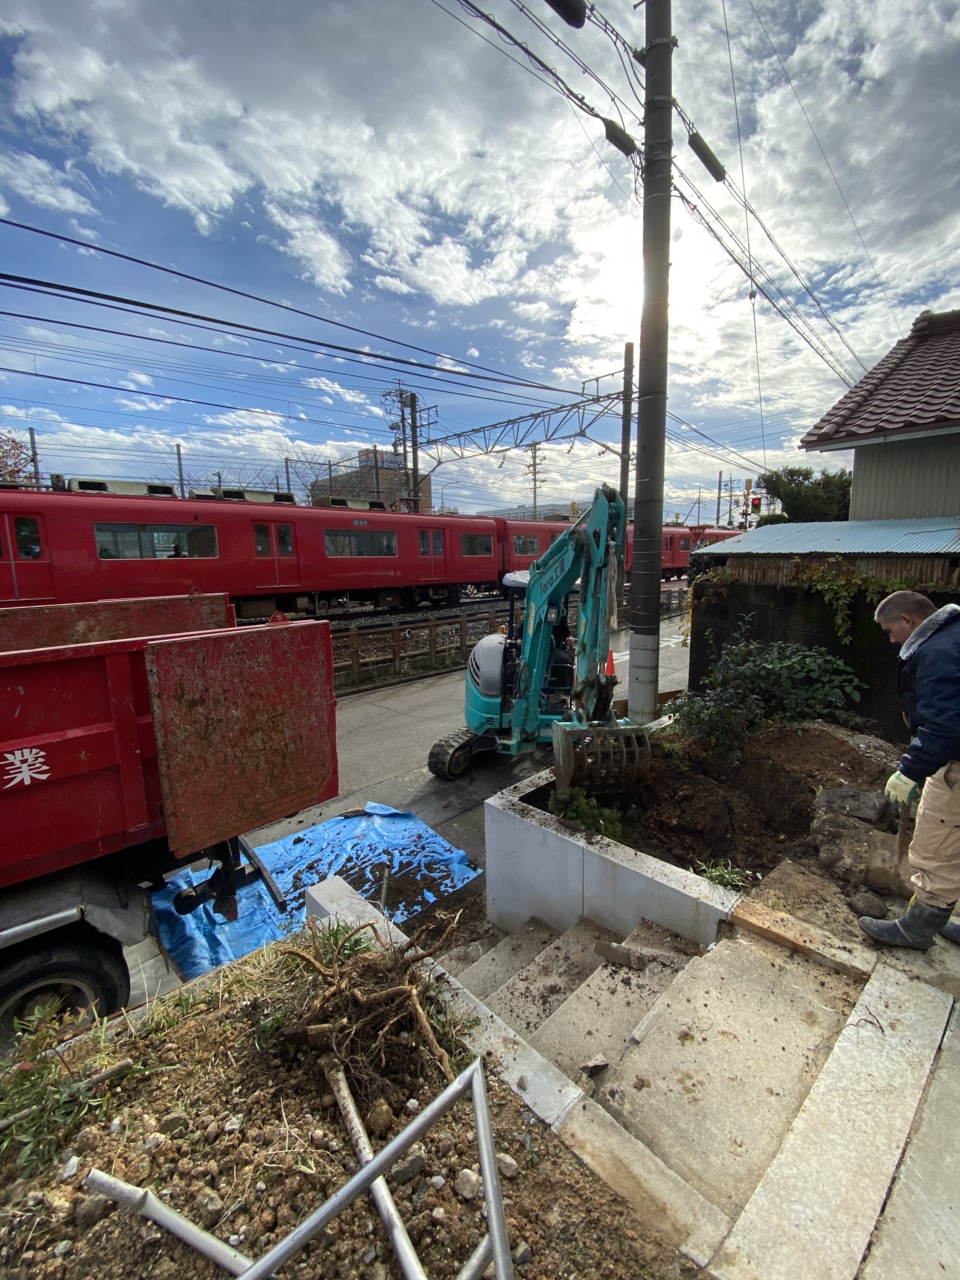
(755, 506)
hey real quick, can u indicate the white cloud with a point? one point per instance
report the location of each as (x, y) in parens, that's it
(36, 180)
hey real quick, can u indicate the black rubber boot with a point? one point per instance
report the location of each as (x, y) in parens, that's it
(916, 928)
(951, 931)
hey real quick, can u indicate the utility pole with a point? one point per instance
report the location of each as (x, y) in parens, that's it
(626, 432)
(286, 468)
(411, 400)
(534, 474)
(183, 490)
(654, 328)
(719, 496)
(35, 457)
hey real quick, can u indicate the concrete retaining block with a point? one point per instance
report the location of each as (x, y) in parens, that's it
(536, 866)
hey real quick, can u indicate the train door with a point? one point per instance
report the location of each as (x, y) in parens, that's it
(25, 569)
(433, 556)
(275, 549)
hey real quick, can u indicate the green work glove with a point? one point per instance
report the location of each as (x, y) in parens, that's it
(900, 789)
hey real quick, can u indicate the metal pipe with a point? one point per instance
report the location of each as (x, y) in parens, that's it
(364, 1178)
(478, 1261)
(148, 1206)
(379, 1191)
(496, 1218)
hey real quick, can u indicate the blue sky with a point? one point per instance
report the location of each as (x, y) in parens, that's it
(387, 167)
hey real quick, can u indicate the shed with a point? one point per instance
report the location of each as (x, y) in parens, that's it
(766, 589)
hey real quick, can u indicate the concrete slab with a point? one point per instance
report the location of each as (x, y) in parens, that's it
(597, 1019)
(939, 967)
(499, 964)
(529, 997)
(919, 1233)
(814, 1210)
(664, 1204)
(534, 870)
(723, 1068)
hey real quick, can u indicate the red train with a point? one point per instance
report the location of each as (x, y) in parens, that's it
(64, 547)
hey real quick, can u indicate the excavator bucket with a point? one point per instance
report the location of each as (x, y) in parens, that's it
(600, 759)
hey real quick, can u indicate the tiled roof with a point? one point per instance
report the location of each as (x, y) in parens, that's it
(914, 388)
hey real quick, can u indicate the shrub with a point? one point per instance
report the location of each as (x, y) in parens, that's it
(576, 806)
(753, 684)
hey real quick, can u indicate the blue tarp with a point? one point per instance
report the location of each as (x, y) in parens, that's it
(423, 868)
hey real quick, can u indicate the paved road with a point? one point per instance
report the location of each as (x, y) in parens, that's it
(384, 737)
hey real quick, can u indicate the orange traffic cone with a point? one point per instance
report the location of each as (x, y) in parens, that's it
(611, 667)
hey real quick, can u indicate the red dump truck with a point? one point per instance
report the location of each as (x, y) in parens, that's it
(137, 736)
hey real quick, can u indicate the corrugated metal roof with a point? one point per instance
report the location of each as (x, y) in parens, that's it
(937, 535)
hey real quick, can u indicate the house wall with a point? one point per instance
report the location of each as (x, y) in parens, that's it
(906, 479)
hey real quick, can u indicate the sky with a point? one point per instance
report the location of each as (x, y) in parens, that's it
(348, 201)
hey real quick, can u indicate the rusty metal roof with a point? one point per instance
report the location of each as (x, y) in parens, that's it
(915, 389)
(935, 535)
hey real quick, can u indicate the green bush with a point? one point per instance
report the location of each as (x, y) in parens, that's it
(576, 806)
(752, 684)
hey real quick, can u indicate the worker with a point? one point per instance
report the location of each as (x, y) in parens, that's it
(929, 685)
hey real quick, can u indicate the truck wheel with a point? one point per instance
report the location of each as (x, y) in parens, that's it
(73, 975)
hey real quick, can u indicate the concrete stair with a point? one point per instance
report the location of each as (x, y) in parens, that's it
(777, 1118)
(779, 1112)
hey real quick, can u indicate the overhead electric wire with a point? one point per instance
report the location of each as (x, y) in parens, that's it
(826, 161)
(746, 221)
(244, 355)
(241, 293)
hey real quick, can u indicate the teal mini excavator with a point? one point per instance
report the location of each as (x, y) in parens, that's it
(524, 688)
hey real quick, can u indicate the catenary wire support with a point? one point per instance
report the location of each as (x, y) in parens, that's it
(493, 1247)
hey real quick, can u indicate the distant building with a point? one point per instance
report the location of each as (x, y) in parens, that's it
(910, 400)
(380, 476)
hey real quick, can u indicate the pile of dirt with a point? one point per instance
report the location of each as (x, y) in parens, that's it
(225, 1112)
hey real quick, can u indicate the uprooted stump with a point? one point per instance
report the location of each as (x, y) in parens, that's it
(368, 1009)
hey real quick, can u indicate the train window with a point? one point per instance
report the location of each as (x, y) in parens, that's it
(285, 539)
(261, 539)
(156, 541)
(424, 542)
(476, 544)
(438, 542)
(359, 542)
(526, 544)
(28, 538)
(684, 544)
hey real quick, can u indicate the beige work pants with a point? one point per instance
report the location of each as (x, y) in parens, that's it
(935, 847)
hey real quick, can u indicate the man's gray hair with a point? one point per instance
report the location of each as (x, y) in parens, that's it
(911, 603)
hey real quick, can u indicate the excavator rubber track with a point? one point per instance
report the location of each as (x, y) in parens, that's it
(600, 759)
(452, 756)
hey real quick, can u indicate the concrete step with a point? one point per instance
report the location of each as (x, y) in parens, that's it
(919, 1233)
(595, 1022)
(527, 999)
(817, 1205)
(500, 964)
(724, 1060)
(458, 958)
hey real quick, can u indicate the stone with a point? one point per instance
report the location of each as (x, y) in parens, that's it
(843, 845)
(887, 869)
(212, 1131)
(507, 1166)
(852, 802)
(467, 1185)
(594, 1066)
(207, 1207)
(87, 1139)
(410, 1165)
(91, 1210)
(69, 1170)
(379, 1118)
(522, 1254)
(233, 1124)
(62, 1248)
(865, 903)
(175, 1124)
